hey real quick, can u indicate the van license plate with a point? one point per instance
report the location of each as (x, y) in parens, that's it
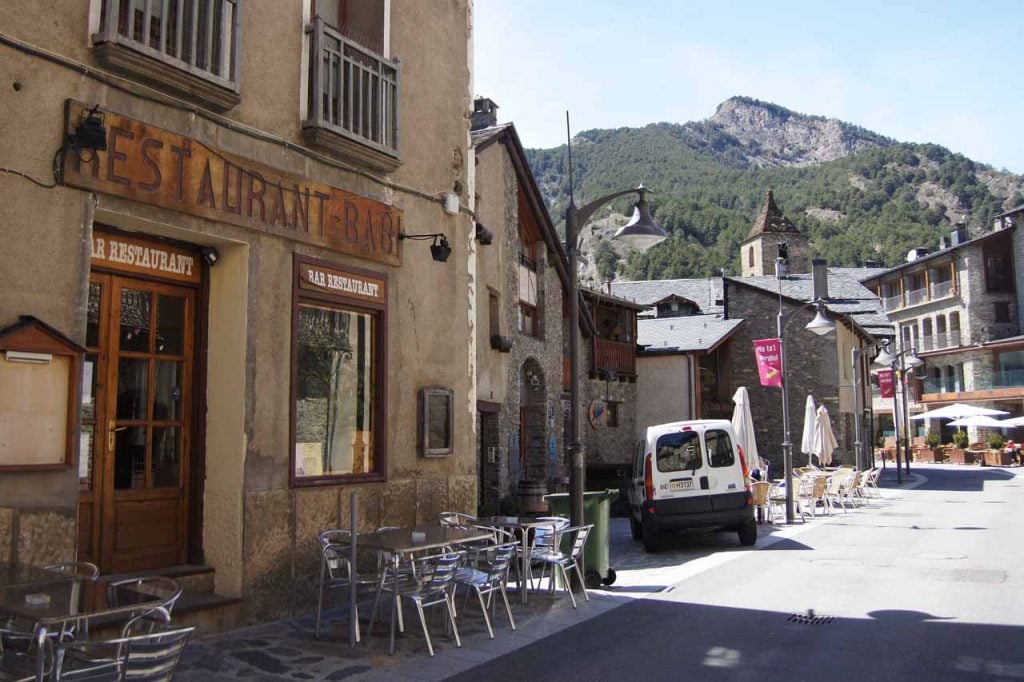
(685, 484)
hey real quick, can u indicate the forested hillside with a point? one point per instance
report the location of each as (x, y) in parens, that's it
(860, 196)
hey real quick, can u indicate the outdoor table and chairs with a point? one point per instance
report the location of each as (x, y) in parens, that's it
(529, 530)
(45, 613)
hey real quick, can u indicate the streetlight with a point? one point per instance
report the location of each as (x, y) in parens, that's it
(858, 446)
(640, 232)
(898, 363)
(820, 325)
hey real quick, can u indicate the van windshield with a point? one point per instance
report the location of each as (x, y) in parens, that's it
(678, 452)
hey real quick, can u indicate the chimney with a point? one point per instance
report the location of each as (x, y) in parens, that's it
(871, 264)
(958, 235)
(819, 275)
(943, 243)
(485, 114)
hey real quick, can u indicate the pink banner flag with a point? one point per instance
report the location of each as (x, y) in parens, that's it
(885, 382)
(769, 361)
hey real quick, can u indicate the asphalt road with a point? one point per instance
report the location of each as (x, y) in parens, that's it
(927, 585)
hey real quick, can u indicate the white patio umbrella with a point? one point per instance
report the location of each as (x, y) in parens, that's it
(807, 442)
(957, 411)
(743, 427)
(824, 440)
(982, 421)
(1012, 422)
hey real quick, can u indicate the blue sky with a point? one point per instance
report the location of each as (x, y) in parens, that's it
(949, 72)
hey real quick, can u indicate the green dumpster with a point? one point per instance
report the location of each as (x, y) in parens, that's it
(596, 510)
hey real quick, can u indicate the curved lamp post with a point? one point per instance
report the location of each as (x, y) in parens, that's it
(640, 232)
(858, 445)
(899, 363)
(820, 325)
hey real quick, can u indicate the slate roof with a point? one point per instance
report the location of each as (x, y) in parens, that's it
(703, 292)
(684, 334)
(771, 220)
(847, 296)
(935, 254)
(485, 136)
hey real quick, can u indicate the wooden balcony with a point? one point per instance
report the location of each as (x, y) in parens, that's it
(615, 355)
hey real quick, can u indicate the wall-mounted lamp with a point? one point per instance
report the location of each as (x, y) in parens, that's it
(210, 255)
(483, 235)
(440, 249)
(90, 133)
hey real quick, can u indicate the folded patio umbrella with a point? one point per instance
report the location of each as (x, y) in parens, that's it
(743, 427)
(807, 442)
(958, 411)
(824, 440)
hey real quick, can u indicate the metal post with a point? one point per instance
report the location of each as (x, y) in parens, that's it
(577, 468)
(353, 612)
(787, 445)
(906, 411)
(858, 456)
(896, 422)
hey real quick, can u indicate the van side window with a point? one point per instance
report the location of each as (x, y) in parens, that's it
(678, 452)
(719, 447)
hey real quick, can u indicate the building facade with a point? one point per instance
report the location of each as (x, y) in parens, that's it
(224, 237)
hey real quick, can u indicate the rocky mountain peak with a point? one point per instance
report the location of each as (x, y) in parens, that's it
(776, 136)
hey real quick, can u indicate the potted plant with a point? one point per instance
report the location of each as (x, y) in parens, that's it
(958, 454)
(933, 442)
(995, 456)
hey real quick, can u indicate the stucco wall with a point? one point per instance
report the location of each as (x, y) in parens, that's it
(666, 395)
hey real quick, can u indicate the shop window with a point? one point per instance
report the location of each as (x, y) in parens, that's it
(191, 45)
(338, 376)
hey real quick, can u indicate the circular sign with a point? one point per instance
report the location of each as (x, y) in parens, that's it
(597, 413)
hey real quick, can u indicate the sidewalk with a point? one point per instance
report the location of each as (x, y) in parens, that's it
(287, 650)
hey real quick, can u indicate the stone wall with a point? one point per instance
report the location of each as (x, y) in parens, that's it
(812, 369)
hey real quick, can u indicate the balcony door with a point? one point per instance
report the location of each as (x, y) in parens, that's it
(136, 421)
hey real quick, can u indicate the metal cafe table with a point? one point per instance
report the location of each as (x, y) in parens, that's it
(49, 600)
(399, 543)
(523, 526)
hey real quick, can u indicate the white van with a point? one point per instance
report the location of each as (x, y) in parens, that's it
(690, 474)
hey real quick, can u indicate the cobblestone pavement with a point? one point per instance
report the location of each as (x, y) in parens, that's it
(287, 649)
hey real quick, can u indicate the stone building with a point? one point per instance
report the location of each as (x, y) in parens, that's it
(959, 309)
(224, 239)
(522, 277)
(771, 231)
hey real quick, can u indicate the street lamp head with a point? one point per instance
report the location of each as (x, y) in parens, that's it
(883, 360)
(913, 362)
(821, 324)
(641, 232)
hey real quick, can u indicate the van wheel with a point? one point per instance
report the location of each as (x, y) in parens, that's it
(634, 527)
(651, 536)
(748, 533)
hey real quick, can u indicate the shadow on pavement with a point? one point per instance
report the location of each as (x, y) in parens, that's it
(663, 640)
(951, 477)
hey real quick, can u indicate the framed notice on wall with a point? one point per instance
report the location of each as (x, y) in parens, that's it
(40, 372)
(436, 422)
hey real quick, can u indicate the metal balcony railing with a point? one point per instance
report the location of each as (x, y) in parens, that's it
(917, 296)
(892, 302)
(353, 92)
(197, 36)
(1002, 379)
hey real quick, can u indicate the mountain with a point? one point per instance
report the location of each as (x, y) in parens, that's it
(860, 196)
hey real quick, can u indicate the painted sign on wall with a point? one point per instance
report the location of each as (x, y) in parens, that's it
(768, 353)
(165, 169)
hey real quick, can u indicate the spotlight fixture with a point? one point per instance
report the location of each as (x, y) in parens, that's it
(90, 133)
(483, 235)
(440, 249)
(210, 255)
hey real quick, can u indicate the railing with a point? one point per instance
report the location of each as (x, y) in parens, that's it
(197, 36)
(941, 340)
(353, 92)
(892, 302)
(917, 296)
(926, 344)
(1013, 378)
(941, 289)
(615, 355)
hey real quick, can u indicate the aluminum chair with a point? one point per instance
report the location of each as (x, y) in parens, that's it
(336, 571)
(457, 520)
(545, 539)
(561, 562)
(81, 569)
(431, 586)
(149, 657)
(489, 577)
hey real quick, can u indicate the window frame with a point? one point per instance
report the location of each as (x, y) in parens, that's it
(379, 310)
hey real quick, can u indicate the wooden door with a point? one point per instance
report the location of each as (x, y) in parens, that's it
(134, 500)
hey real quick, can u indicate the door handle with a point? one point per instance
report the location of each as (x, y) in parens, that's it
(111, 434)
